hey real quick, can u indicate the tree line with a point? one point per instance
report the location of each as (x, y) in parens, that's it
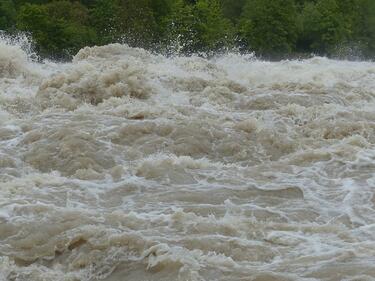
(270, 28)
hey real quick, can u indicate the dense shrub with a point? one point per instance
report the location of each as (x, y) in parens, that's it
(272, 28)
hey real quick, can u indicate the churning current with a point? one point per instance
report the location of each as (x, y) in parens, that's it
(125, 165)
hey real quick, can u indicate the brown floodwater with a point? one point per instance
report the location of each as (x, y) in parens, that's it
(125, 165)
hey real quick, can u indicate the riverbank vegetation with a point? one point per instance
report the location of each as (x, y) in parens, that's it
(271, 29)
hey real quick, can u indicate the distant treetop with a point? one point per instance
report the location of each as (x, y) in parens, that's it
(272, 28)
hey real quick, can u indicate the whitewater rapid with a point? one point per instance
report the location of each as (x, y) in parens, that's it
(126, 165)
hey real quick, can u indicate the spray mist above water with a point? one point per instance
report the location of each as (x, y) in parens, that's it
(125, 165)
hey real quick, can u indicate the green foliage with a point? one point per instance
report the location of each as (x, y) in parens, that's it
(46, 33)
(269, 27)
(8, 14)
(19, 3)
(104, 21)
(58, 28)
(232, 9)
(200, 27)
(161, 8)
(136, 23)
(133, 22)
(324, 26)
(68, 11)
(214, 31)
(365, 26)
(180, 31)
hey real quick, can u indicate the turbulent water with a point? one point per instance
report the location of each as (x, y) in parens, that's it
(124, 165)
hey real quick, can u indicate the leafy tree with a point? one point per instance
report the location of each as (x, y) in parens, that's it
(324, 26)
(161, 8)
(19, 3)
(233, 9)
(46, 33)
(214, 30)
(127, 21)
(269, 27)
(272, 28)
(200, 27)
(68, 11)
(103, 20)
(136, 22)
(364, 27)
(58, 28)
(8, 14)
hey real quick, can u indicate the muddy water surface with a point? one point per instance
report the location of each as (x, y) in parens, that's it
(123, 165)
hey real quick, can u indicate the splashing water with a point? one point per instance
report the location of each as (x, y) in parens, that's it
(123, 165)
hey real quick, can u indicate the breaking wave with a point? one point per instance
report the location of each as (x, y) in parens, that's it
(125, 163)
